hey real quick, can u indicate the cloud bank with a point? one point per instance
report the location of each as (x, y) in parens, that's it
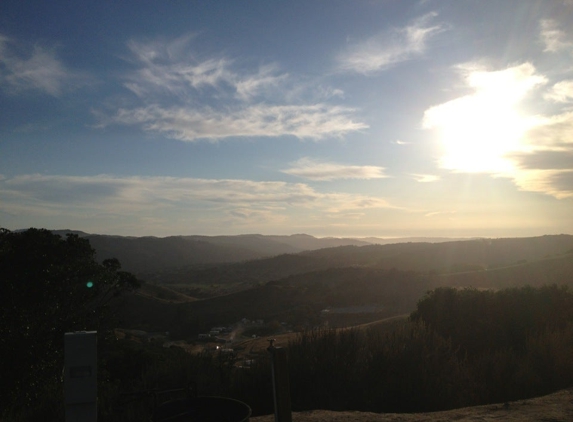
(105, 196)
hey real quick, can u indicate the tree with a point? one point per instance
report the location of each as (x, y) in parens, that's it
(48, 286)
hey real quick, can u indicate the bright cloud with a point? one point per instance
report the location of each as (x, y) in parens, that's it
(558, 183)
(551, 133)
(486, 132)
(324, 171)
(388, 49)
(36, 68)
(561, 92)
(400, 142)
(425, 178)
(189, 124)
(546, 165)
(478, 130)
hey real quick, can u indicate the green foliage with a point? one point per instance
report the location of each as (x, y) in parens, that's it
(49, 286)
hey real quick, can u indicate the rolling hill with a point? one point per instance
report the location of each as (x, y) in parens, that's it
(445, 257)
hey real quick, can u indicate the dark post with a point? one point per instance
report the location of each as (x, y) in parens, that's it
(80, 376)
(281, 388)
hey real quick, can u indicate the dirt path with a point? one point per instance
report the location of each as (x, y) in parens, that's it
(556, 407)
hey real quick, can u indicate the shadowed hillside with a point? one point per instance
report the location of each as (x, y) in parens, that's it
(438, 258)
(300, 298)
(552, 270)
(449, 256)
(145, 254)
(177, 254)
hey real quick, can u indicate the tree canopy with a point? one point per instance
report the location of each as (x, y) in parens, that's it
(48, 286)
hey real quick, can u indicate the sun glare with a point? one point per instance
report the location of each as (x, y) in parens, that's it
(478, 131)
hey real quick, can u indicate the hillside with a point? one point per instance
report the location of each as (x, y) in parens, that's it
(551, 270)
(445, 257)
(371, 293)
(177, 254)
(151, 254)
(556, 407)
(449, 256)
(297, 300)
(240, 275)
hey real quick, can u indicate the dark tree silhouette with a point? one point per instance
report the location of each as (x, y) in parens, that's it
(48, 286)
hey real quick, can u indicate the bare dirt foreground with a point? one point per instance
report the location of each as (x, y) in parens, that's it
(556, 407)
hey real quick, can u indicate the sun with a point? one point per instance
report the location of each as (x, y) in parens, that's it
(478, 132)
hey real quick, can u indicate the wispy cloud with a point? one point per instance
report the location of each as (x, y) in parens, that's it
(248, 216)
(189, 98)
(343, 202)
(190, 124)
(33, 68)
(400, 142)
(142, 197)
(325, 171)
(439, 213)
(171, 67)
(553, 38)
(390, 48)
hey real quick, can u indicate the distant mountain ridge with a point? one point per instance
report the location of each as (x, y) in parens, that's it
(146, 254)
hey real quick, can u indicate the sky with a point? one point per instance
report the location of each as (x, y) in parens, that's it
(386, 118)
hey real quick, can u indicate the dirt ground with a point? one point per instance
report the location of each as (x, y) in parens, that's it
(556, 407)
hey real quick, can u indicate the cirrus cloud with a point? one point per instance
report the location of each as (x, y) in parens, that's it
(390, 48)
(35, 68)
(188, 98)
(190, 124)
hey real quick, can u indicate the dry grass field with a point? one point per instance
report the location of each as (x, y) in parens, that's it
(556, 407)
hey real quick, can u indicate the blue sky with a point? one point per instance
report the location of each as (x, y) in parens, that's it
(333, 118)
